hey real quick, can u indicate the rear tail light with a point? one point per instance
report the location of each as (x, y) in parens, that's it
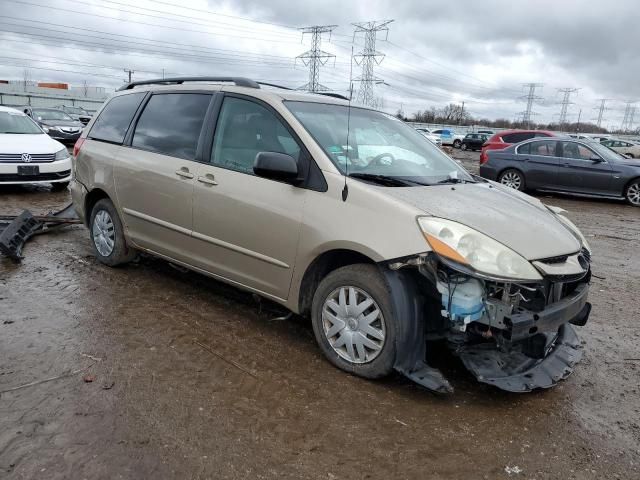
(483, 156)
(77, 146)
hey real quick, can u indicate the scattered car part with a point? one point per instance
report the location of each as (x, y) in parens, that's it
(16, 230)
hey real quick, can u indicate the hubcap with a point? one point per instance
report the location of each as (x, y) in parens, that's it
(104, 236)
(511, 179)
(353, 324)
(633, 194)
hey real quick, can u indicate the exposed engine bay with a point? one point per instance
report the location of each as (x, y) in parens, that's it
(513, 335)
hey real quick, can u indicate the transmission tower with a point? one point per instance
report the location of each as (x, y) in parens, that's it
(531, 97)
(369, 57)
(629, 113)
(601, 109)
(562, 119)
(315, 57)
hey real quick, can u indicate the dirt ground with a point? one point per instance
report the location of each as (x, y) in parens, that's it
(194, 379)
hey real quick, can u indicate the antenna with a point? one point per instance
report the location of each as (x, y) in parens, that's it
(345, 189)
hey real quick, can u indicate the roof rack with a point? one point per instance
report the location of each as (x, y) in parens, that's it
(334, 95)
(238, 81)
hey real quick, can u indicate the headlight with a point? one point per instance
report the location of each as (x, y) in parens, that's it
(573, 229)
(473, 249)
(62, 154)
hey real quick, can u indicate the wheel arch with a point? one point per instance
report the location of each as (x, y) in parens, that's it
(628, 184)
(90, 200)
(320, 267)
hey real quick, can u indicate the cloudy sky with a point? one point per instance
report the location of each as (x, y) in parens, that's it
(435, 53)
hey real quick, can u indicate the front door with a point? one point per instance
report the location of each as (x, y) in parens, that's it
(540, 163)
(155, 175)
(582, 170)
(247, 226)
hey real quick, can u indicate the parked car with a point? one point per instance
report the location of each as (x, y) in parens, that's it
(629, 149)
(565, 165)
(27, 155)
(473, 141)
(341, 214)
(56, 123)
(75, 112)
(486, 132)
(508, 137)
(449, 137)
(430, 136)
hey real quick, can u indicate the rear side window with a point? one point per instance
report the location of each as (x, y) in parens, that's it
(517, 137)
(115, 118)
(524, 149)
(545, 148)
(170, 124)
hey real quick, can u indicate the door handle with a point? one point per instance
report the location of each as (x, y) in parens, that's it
(208, 179)
(184, 173)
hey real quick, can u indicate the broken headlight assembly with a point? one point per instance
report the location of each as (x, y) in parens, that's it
(474, 251)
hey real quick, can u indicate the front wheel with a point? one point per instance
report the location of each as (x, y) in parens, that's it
(513, 179)
(464, 146)
(107, 235)
(457, 143)
(353, 321)
(632, 193)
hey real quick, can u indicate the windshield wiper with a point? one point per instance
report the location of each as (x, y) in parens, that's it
(386, 180)
(455, 180)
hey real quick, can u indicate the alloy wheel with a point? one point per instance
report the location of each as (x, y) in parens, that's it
(353, 324)
(103, 233)
(512, 180)
(633, 194)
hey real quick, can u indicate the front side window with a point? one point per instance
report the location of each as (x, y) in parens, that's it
(16, 123)
(244, 129)
(377, 144)
(577, 151)
(170, 124)
(115, 118)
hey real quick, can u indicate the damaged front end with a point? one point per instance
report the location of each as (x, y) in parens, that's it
(515, 335)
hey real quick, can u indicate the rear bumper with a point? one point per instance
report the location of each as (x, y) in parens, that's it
(50, 172)
(488, 172)
(78, 195)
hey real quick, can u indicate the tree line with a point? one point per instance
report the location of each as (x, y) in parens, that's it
(456, 114)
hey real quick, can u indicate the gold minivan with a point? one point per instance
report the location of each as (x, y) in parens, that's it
(343, 214)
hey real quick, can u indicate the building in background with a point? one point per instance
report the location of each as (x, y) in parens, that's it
(51, 94)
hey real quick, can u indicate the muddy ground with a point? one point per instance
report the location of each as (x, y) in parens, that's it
(194, 379)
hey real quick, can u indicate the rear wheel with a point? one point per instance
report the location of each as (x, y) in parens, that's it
(107, 235)
(353, 322)
(457, 143)
(513, 179)
(632, 193)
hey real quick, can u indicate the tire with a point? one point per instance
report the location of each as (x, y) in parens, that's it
(59, 186)
(512, 178)
(457, 143)
(104, 225)
(632, 192)
(464, 146)
(367, 283)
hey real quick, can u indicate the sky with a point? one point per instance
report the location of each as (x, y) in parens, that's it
(433, 53)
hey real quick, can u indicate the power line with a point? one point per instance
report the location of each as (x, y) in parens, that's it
(369, 57)
(531, 97)
(315, 57)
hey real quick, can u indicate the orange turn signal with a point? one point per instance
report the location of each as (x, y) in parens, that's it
(445, 250)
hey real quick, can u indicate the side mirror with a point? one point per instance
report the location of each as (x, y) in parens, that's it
(276, 166)
(596, 159)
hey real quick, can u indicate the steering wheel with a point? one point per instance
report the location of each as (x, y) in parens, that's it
(377, 160)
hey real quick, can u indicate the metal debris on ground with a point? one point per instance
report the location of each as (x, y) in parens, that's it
(16, 230)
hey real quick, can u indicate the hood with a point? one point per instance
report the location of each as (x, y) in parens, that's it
(37, 143)
(514, 219)
(61, 123)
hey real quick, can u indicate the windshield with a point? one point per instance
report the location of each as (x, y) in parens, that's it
(76, 110)
(51, 115)
(606, 152)
(379, 145)
(18, 124)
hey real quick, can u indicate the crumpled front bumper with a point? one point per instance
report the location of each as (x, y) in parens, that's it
(516, 372)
